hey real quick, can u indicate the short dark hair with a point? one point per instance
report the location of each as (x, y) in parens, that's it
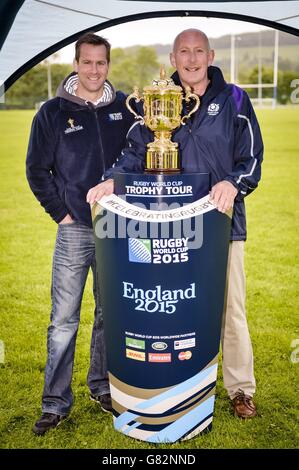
(92, 38)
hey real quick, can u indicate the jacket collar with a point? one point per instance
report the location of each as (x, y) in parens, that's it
(65, 91)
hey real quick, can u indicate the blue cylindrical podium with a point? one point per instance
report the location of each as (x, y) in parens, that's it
(161, 250)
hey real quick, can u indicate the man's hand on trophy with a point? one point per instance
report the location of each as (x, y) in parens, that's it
(97, 192)
(222, 195)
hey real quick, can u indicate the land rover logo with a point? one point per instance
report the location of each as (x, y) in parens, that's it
(159, 346)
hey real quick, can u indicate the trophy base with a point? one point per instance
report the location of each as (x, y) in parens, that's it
(163, 170)
(162, 159)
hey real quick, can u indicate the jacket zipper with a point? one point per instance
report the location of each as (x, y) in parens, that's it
(195, 125)
(99, 139)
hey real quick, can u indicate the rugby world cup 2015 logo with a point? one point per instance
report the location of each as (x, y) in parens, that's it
(139, 250)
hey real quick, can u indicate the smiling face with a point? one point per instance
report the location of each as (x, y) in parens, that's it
(191, 57)
(92, 68)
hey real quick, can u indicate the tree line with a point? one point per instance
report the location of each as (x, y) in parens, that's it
(128, 68)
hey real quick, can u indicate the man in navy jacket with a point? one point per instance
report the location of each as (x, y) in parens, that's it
(224, 139)
(75, 137)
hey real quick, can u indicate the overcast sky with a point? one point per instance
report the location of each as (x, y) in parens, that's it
(164, 30)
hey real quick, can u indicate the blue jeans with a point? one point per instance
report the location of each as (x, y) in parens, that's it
(73, 256)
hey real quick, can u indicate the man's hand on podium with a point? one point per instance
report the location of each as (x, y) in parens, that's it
(222, 195)
(97, 192)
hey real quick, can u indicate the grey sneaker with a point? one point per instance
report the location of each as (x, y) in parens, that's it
(46, 422)
(104, 401)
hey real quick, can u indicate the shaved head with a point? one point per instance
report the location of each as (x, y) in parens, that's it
(188, 32)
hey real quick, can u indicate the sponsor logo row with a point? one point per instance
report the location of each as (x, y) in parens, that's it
(161, 345)
(156, 357)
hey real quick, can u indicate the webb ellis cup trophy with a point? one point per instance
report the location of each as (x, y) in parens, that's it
(162, 114)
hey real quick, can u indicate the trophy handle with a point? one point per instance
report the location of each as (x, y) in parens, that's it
(190, 95)
(137, 98)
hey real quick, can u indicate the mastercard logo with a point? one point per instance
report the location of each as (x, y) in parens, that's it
(185, 355)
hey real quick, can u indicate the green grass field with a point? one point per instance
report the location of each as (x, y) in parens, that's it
(27, 240)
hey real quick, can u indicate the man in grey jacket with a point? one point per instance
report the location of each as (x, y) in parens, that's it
(74, 138)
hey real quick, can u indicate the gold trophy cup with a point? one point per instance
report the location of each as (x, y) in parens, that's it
(162, 114)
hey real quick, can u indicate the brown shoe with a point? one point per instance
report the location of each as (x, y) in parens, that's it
(244, 406)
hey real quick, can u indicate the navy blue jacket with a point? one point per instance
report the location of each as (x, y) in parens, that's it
(72, 143)
(223, 138)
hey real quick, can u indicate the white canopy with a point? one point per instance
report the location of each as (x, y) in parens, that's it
(31, 30)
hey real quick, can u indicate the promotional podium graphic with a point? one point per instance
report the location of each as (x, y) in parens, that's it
(161, 249)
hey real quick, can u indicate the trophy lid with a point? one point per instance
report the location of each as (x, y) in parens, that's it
(162, 84)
